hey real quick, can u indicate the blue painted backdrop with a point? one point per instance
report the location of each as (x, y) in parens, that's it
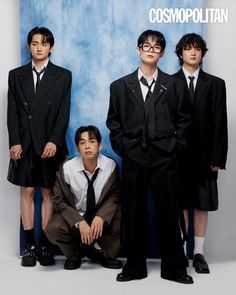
(96, 40)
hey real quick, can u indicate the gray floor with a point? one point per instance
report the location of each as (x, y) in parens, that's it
(93, 279)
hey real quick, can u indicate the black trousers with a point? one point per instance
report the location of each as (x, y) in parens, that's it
(151, 170)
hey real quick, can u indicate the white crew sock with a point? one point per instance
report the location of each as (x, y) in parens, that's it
(198, 245)
(96, 246)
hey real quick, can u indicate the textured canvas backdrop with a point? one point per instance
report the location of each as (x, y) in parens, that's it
(96, 40)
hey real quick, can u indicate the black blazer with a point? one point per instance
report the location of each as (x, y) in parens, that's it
(209, 137)
(42, 117)
(126, 112)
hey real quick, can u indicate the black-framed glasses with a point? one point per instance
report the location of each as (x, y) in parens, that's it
(147, 47)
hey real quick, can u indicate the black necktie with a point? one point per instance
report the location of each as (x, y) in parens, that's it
(191, 86)
(91, 202)
(149, 114)
(38, 78)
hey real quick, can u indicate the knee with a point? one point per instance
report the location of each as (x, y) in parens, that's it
(56, 229)
(27, 193)
(46, 194)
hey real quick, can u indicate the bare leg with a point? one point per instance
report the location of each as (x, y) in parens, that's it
(200, 222)
(27, 207)
(47, 206)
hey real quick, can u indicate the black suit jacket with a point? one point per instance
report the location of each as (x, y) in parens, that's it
(126, 112)
(42, 117)
(209, 138)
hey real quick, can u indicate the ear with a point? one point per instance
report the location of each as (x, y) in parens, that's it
(51, 49)
(100, 147)
(162, 53)
(138, 50)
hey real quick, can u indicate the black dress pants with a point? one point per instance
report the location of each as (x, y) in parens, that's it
(151, 170)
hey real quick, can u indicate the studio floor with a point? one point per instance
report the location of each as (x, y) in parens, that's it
(93, 279)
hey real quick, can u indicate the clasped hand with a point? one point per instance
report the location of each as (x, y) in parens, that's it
(93, 232)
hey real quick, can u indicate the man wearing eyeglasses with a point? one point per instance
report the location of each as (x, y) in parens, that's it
(149, 118)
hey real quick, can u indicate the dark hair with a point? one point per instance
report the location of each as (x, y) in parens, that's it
(192, 39)
(92, 131)
(46, 33)
(154, 35)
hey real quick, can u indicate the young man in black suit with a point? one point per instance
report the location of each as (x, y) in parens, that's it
(37, 118)
(207, 149)
(148, 119)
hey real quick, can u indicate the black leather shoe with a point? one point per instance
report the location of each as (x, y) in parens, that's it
(200, 264)
(71, 264)
(109, 262)
(100, 256)
(125, 277)
(179, 277)
(29, 256)
(45, 256)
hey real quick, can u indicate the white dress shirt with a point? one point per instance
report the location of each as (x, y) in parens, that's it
(74, 176)
(144, 88)
(195, 75)
(35, 75)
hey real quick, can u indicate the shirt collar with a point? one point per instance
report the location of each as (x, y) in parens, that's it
(195, 74)
(44, 66)
(80, 164)
(154, 75)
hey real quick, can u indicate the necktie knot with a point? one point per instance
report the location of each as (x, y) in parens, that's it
(38, 73)
(191, 78)
(145, 82)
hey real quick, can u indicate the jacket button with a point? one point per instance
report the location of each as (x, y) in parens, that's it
(25, 103)
(30, 117)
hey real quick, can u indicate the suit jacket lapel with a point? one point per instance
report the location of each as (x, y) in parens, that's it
(201, 87)
(200, 90)
(160, 87)
(27, 84)
(181, 76)
(47, 81)
(134, 86)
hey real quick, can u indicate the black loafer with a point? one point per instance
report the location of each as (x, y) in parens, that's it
(100, 256)
(200, 264)
(71, 264)
(29, 256)
(126, 276)
(178, 277)
(45, 256)
(109, 262)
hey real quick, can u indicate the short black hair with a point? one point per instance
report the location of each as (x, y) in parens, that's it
(46, 33)
(154, 35)
(190, 39)
(92, 131)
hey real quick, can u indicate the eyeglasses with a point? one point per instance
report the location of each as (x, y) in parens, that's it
(147, 47)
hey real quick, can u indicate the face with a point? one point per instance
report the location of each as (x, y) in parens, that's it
(39, 50)
(88, 147)
(150, 52)
(192, 55)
